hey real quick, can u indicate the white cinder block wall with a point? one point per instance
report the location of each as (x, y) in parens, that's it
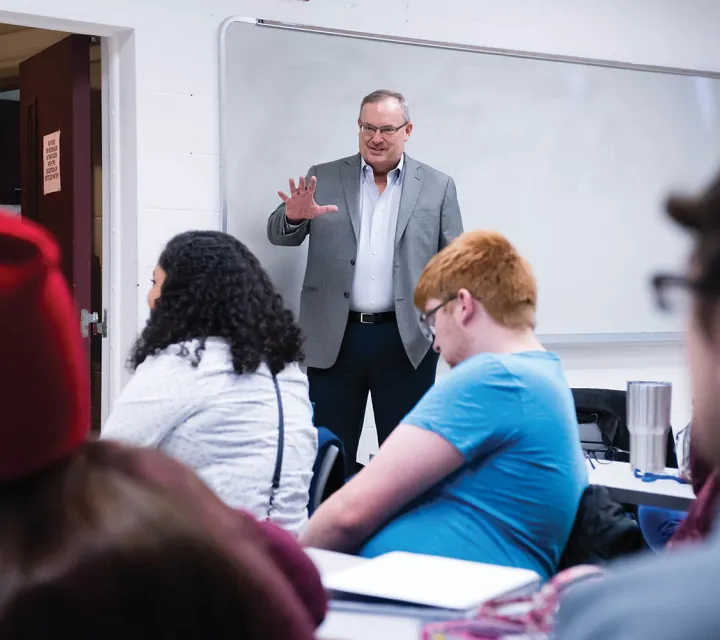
(177, 76)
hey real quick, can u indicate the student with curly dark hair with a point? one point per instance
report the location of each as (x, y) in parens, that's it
(216, 371)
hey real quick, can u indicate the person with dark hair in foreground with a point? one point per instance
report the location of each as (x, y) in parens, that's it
(88, 551)
(673, 595)
(100, 540)
(216, 371)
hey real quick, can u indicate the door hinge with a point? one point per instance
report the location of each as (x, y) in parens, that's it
(92, 319)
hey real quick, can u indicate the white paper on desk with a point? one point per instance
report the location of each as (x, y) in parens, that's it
(431, 581)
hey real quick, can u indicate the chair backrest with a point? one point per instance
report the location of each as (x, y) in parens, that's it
(608, 409)
(326, 466)
(328, 470)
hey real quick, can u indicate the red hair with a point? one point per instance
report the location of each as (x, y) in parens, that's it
(490, 268)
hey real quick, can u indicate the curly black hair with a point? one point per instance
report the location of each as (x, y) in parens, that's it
(215, 287)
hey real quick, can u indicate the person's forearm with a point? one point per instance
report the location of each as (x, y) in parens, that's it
(279, 234)
(328, 529)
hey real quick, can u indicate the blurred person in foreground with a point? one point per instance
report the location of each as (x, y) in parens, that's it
(100, 540)
(673, 595)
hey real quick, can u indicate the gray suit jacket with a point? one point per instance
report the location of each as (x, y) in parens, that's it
(428, 219)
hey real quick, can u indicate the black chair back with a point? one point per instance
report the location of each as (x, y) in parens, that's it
(608, 409)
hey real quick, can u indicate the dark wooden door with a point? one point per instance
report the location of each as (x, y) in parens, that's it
(55, 158)
(9, 151)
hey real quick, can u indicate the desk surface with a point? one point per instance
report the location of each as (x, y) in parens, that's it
(342, 625)
(625, 487)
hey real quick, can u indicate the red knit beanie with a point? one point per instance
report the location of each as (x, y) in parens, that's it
(44, 389)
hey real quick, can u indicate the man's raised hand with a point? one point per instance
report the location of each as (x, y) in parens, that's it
(300, 204)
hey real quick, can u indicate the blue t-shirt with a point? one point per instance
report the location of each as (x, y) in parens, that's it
(514, 501)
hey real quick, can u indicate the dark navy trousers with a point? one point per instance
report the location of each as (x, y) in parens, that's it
(372, 359)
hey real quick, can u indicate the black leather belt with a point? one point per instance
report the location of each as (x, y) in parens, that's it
(372, 318)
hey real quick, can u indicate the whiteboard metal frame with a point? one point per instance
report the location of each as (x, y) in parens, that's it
(669, 338)
(514, 53)
(551, 340)
(222, 58)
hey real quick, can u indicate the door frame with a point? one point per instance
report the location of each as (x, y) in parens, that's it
(119, 184)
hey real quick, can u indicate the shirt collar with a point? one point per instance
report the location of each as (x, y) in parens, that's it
(399, 167)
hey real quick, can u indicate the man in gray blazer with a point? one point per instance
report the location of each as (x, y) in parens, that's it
(382, 217)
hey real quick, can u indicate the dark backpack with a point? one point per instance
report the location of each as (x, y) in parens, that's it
(602, 531)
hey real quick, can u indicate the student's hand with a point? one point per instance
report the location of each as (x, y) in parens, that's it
(300, 204)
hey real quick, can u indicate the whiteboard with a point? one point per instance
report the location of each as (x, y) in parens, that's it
(572, 162)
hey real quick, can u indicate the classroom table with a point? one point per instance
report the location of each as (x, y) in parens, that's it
(344, 625)
(625, 487)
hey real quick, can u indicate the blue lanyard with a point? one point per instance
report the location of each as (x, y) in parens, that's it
(651, 477)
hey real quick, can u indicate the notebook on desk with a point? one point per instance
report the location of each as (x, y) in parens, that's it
(408, 579)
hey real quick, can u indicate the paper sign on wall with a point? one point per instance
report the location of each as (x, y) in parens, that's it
(51, 163)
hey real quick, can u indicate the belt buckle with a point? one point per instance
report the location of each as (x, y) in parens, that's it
(362, 318)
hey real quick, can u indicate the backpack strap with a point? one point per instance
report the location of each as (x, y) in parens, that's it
(281, 447)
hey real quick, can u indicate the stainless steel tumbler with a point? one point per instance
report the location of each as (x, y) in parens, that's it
(648, 420)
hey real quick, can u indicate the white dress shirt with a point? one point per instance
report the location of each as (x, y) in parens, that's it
(224, 426)
(372, 288)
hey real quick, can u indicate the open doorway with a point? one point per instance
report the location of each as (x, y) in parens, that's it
(51, 155)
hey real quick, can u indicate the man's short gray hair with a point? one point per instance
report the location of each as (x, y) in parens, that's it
(386, 94)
